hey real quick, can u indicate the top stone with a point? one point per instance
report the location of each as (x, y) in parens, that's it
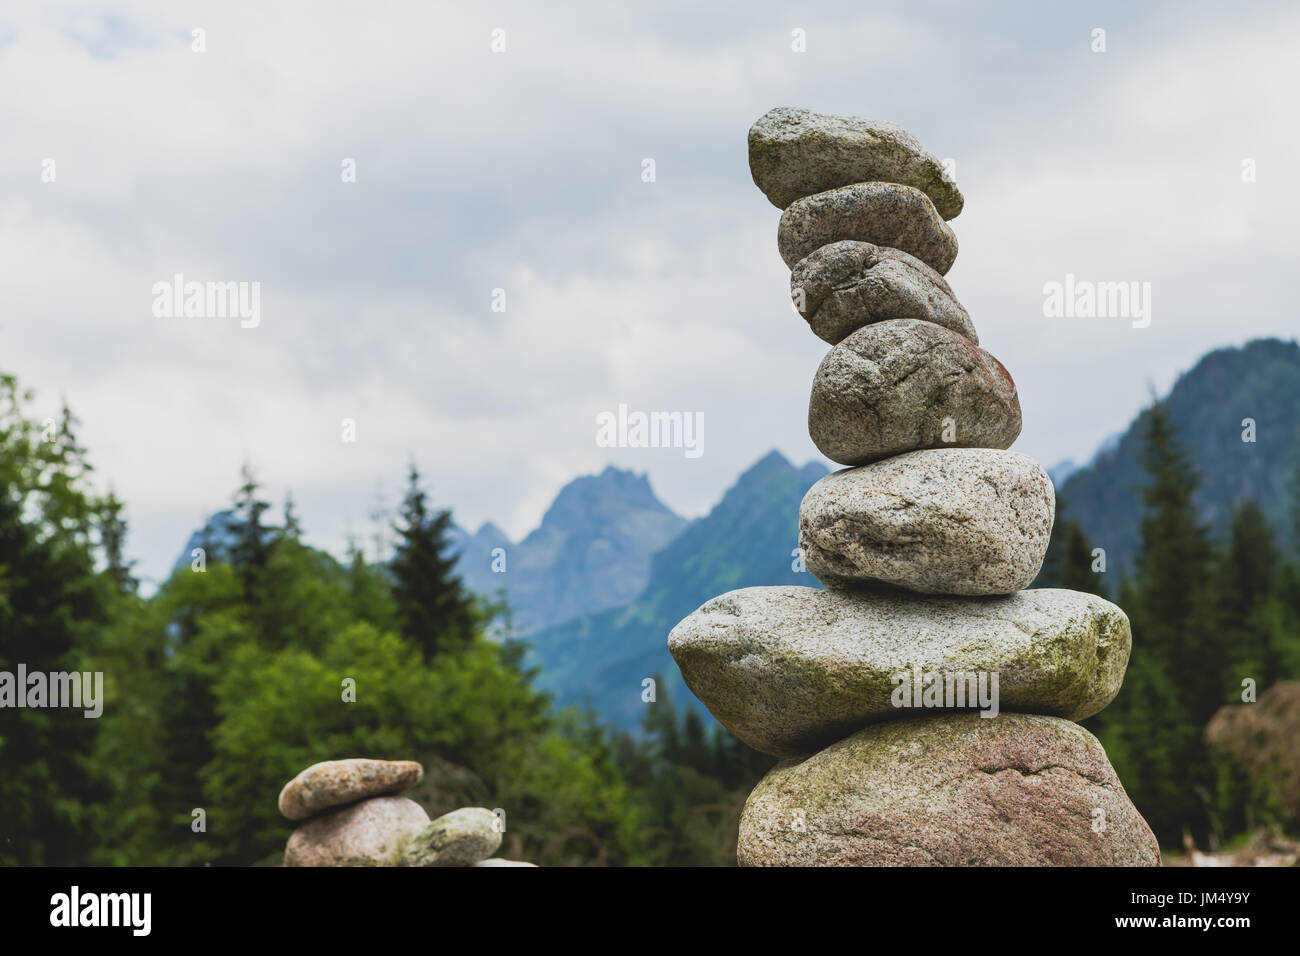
(795, 153)
(333, 783)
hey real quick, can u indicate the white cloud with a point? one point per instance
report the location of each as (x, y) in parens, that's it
(522, 171)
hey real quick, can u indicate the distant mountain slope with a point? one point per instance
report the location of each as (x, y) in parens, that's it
(1259, 380)
(591, 552)
(217, 537)
(475, 551)
(746, 540)
(1061, 471)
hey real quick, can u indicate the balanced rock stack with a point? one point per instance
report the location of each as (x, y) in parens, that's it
(351, 815)
(923, 701)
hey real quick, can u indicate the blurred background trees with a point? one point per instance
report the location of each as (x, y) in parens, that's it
(267, 655)
(1214, 625)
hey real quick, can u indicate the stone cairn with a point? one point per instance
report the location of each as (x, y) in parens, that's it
(923, 702)
(350, 814)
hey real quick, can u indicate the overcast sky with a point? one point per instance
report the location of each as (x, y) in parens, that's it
(522, 170)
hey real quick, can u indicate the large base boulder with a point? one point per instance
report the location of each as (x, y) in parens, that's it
(370, 833)
(959, 790)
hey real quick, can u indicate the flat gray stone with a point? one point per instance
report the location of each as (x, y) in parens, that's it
(904, 385)
(884, 214)
(333, 783)
(942, 521)
(369, 833)
(498, 861)
(460, 838)
(845, 285)
(794, 153)
(789, 670)
(955, 790)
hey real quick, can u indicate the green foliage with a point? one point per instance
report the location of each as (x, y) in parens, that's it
(1207, 405)
(52, 601)
(224, 684)
(1250, 613)
(1069, 559)
(369, 592)
(748, 539)
(694, 782)
(1206, 618)
(252, 545)
(1169, 691)
(243, 711)
(432, 606)
(1257, 751)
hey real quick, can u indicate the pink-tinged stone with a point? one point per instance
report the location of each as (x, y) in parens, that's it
(370, 833)
(958, 790)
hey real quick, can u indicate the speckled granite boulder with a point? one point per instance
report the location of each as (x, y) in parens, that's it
(845, 285)
(956, 790)
(884, 214)
(794, 153)
(333, 783)
(369, 833)
(788, 670)
(904, 385)
(943, 521)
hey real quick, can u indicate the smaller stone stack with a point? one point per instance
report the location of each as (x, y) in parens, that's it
(351, 815)
(924, 543)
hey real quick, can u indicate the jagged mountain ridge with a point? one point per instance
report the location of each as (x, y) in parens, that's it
(592, 551)
(1208, 403)
(747, 540)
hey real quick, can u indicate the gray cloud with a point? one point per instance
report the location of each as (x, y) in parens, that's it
(522, 171)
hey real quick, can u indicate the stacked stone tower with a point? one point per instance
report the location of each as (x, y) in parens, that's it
(923, 701)
(350, 813)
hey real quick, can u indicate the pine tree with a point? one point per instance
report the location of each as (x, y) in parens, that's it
(1252, 559)
(251, 548)
(1289, 577)
(1068, 562)
(52, 608)
(1248, 575)
(433, 607)
(695, 749)
(1166, 760)
(1076, 568)
(370, 595)
(1174, 683)
(1295, 493)
(659, 724)
(1175, 563)
(112, 539)
(292, 529)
